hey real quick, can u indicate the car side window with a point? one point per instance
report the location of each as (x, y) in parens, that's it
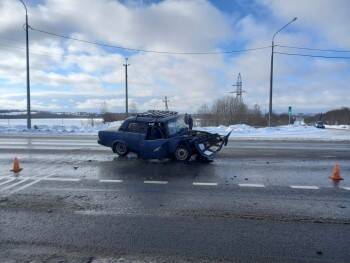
(142, 128)
(137, 127)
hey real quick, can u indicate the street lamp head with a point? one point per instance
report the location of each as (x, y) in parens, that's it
(295, 18)
(25, 7)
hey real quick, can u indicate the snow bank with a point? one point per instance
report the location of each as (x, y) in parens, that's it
(239, 131)
(338, 127)
(86, 129)
(299, 132)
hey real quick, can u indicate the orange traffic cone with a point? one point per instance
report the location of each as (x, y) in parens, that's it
(16, 167)
(336, 173)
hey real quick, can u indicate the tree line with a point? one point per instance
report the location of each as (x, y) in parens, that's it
(332, 117)
(229, 110)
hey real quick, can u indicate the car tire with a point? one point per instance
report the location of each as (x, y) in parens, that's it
(182, 153)
(120, 148)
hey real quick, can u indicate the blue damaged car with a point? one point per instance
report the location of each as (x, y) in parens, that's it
(159, 135)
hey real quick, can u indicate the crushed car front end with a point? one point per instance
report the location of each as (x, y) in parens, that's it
(206, 144)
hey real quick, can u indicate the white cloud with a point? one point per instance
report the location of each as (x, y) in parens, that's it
(12, 104)
(329, 18)
(169, 24)
(86, 75)
(93, 104)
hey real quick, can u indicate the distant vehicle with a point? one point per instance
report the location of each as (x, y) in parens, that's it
(159, 135)
(320, 125)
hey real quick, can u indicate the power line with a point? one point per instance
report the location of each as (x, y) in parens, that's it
(177, 53)
(56, 55)
(146, 50)
(316, 49)
(308, 55)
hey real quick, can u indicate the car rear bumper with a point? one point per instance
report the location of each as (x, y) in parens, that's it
(101, 143)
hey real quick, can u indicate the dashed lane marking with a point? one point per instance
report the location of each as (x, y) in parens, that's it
(311, 187)
(346, 188)
(251, 185)
(205, 184)
(62, 179)
(155, 182)
(110, 181)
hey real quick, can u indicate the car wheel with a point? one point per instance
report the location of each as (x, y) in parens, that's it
(182, 153)
(120, 148)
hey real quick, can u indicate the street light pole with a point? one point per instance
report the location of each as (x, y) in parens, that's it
(271, 70)
(29, 124)
(126, 87)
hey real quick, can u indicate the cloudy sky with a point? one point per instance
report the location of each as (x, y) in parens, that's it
(72, 76)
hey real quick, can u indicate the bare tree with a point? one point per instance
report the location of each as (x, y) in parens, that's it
(228, 111)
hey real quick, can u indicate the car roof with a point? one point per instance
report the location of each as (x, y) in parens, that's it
(155, 116)
(152, 119)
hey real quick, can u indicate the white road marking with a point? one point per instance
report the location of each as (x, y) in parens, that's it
(30, 184)
(155, 182)
(62, 179)
(13, 143)
(8, 181)
(64, 143)
(251, 185)
(203, 183)
(66, 140)
(20, 181)
(346, 188)
(46, 144)
(49, 142)
(110, 181)
(312, 187)
(58, 147)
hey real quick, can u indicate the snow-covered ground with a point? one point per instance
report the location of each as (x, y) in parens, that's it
(55, 126)
(89, 127)
(79, 122)
(280, 132)
(338, 127)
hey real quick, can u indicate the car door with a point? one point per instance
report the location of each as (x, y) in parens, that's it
(135, 133)
(154, 146)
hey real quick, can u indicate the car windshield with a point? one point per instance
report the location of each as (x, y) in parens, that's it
(176, 126)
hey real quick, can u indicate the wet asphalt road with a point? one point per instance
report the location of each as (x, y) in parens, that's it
(260, 201)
